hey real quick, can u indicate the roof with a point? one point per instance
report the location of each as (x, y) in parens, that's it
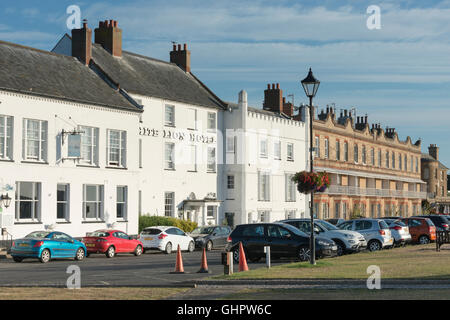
(261, 111)
(32, 71)
(155, 78)
(427, 157)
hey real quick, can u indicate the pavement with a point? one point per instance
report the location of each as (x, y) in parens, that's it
(151, 269)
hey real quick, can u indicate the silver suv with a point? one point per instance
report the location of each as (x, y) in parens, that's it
(346, 241)
(376, 232)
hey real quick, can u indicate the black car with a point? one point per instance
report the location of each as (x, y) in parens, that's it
(285, 241)
(210, 237)
(441, 222)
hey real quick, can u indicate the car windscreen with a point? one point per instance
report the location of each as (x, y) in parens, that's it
(203, 230)
(98, 234)
(38, 234)
(294, 230)
(383, 225)
(326, 225)
(151, 231)
(399, 223)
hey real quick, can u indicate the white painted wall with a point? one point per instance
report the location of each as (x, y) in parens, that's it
(65, 115)
(247, 164)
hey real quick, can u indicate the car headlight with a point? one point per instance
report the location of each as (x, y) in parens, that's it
(324, 243)
(349, 236)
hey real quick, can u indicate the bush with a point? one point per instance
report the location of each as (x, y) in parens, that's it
(151, 221)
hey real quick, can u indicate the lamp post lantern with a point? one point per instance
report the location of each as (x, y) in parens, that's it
(310, 85)
(6, 200)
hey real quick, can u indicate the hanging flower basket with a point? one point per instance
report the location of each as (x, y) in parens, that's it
(308, 182)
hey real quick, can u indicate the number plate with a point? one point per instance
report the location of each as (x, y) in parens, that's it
(24, 245)
(148, 239)
(90, 245)
(334, 247)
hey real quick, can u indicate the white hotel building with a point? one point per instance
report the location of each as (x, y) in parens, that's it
(145, 136)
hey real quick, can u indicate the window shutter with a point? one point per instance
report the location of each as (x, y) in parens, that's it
(123, 151)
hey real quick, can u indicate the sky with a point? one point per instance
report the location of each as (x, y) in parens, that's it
(399, 74)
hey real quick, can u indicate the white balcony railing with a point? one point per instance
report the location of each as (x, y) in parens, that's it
(372, 192)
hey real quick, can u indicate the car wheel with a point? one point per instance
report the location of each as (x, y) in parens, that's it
(168, 248)
(304, 253)
(138, 251)
(374, 245)
(209, 246)
(191, 246)
(236, 254)
(45, 256)
(17, 259)
(340, 248)
(111, 252)
(424, 240)
(80, 254)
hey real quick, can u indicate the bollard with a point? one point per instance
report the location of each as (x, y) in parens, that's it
(267, 251)
(227, 261)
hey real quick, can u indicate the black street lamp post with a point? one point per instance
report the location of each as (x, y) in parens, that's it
(310, 85)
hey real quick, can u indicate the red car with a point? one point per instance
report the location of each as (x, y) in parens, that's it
(111, 242)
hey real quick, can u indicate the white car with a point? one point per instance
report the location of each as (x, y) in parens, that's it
(346, 240)
(166, 238)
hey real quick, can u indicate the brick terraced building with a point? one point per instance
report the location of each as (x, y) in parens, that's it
(372, 173)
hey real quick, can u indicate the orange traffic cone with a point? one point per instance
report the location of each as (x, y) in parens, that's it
(242, 260)
(179, 264)
(204, 266)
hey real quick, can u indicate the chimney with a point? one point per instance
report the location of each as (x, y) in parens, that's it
(109, 36)
(433, 151)
(273, 98)
(181, 58)
(82, 44)
(288, 108)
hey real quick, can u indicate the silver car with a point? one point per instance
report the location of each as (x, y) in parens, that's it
(399, 231)
(376, 232)
(346, 241)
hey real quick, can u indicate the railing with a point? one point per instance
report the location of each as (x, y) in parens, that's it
(355, 191)
(442, 237)
(9, 240)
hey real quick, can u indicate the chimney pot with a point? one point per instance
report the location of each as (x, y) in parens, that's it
(185, 47)
(181, 58)
(278, 86)
(174, 48)
(179, 47)
(268, 86)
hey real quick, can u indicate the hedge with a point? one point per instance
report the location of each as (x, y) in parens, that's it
(150, 221)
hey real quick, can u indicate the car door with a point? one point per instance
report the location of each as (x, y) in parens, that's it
(118, 242)
(184, 239)
(173, 238)
(280, 241)
(65, 244)
(221, 237)
(254, 239)
(365, 228)
(128, 245)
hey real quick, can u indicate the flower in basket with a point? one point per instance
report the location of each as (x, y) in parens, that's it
(308, 182)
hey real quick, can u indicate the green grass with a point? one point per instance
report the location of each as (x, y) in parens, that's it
(45, 293)
(336, 294)
(411, 262)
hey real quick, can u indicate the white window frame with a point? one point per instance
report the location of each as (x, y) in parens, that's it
(263, 150)
(42, 141)
(65, 202)
(122, 149)
(317, 146)
(277, 150)
(192, 158)
(290, 188)
(92, 145)
(211, 121)
(231, 144)
(169, 204)
(290, 153)
(99, 202)
(6, 137)
(327, 149)
(36, 198)
(263, 186)
(169, 158)
(211, 163)
(338, 150)
(169, 115)
(192, 119)
(123, 203)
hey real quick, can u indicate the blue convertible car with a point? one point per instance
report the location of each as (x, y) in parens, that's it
(46, 245)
